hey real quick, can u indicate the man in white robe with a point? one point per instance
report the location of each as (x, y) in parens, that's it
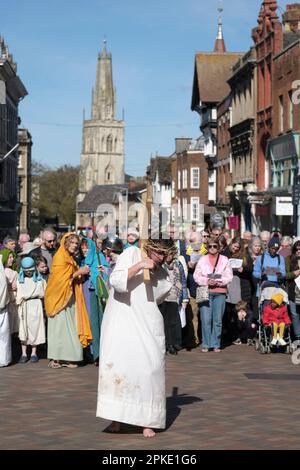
(5, 338)
(132, 347)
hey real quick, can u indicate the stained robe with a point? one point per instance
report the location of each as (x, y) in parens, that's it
(132, 347)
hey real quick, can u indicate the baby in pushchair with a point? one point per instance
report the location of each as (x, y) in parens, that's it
(275, 316)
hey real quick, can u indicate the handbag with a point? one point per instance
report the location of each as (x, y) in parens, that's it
(202, 294)
(101, 287)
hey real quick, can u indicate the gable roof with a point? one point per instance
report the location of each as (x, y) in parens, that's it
(101, 194)
(212, 70)
(162, 166)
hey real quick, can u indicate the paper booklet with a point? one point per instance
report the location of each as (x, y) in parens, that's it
(236, 263)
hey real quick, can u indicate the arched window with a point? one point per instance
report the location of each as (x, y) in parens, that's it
(109, 144)
(103, 144)
(116, 144)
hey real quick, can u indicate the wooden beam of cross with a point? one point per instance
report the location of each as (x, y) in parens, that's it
(143, 221)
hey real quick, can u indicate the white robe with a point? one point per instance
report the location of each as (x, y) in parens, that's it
(132, 347)
(30, 310)
(5, 339)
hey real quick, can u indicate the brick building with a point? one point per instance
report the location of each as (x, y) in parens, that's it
(277, 118)
(283, 149)
(268, 39)
(190, 183)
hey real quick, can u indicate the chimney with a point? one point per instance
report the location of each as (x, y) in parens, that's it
(291, 18)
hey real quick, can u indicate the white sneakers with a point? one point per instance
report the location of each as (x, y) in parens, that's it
(280, 341)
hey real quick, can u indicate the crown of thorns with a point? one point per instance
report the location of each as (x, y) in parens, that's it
(163, 247)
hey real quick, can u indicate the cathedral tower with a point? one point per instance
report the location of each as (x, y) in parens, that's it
(102, 154)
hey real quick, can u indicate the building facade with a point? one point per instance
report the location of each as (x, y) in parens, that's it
(242, 131)
(159, 193)
(189, 183)
(224, 162)
(283, 148)
(12, 91)
(24, 179)
(268, 40)
(212, 70)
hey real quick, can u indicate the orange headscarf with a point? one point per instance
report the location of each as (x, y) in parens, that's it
(60, 290)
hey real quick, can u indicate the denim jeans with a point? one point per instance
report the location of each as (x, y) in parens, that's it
(211, 320)
(295, 313)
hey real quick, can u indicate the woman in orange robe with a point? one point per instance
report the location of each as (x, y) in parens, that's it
(68, 323)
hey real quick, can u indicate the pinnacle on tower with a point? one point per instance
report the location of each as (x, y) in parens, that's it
(220, 43)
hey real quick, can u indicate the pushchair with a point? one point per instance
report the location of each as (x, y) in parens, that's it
(264, 332)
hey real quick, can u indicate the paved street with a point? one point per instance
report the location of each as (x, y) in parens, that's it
(238, 399)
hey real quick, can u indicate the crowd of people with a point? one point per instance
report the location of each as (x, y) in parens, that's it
(54, 290)
(87, 298)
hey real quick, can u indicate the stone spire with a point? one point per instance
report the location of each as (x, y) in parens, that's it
(103, 96)
(220, 43)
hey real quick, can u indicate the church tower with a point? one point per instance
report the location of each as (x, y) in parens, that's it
(102, 154)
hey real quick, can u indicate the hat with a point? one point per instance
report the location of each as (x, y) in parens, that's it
(278, 298)
(115, 245)
(28, 264)
(274, 242)
(28, 247)
(134, 232)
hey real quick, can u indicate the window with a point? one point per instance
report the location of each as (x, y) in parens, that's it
(179, 208)
(283, 173)
(109, 143)
(194, 208)
(195, 173)
(179, 179)
(184, 182)
(184, 209)
(291, 113)
(173, 188)
(281, 113)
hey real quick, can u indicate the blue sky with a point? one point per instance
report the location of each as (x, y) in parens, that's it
(153, 42)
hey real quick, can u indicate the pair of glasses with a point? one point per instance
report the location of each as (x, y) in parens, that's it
(205, 236)
(50, 241)
(213, 246)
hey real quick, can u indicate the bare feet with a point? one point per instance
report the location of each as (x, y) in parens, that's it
(115, 426)
(147, 432)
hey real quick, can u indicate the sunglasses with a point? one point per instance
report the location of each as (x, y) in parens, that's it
(50, 241)
(213, 246)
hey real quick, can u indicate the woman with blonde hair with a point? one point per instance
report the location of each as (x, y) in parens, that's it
(68, 323)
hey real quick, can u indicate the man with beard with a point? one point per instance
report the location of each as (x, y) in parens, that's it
(132, 346)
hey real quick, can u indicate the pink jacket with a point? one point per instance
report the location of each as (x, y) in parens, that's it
(204, 268)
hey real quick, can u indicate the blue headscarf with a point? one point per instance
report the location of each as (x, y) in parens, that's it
(28, 264)
(91, 261)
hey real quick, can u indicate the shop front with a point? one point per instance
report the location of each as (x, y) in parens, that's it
(283, 154)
